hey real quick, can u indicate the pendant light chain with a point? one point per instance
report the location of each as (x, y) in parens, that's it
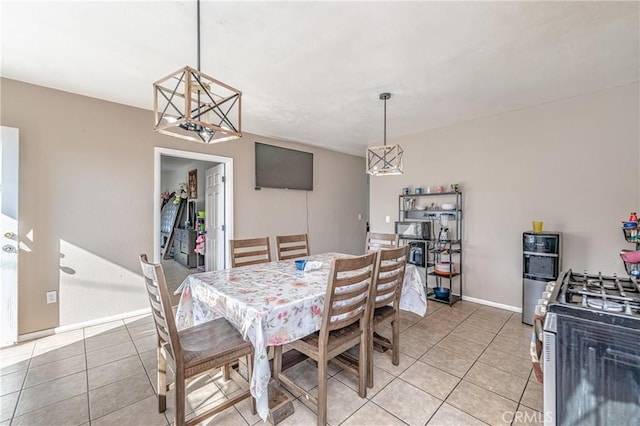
(384, 97)
(385, 121)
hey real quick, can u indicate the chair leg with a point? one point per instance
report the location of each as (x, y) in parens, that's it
(162, 382)
(395, 343)
(179, 419)
(363, 364)
(226, 372)
(249, 376)
(370, 358)
(322, 389)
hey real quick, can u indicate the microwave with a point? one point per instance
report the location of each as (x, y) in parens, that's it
(414, 230)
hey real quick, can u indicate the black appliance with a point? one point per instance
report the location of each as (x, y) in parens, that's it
(417, 252)
(591, 350)
(541, 263)
(414, 230)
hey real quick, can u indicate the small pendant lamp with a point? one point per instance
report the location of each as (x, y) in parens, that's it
(384, 160)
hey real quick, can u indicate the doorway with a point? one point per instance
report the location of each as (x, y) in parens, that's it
(182, 178)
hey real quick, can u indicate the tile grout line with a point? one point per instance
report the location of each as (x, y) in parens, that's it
(15, 408)
(382, 408)
(86, 365)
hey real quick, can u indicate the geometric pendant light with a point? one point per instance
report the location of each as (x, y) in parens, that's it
(384, 160)
(191, 105)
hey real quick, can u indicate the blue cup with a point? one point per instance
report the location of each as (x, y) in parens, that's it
(300, 264)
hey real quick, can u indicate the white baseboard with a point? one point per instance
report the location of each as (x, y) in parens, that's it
(35, 335)
(76, 326)
(492, 304)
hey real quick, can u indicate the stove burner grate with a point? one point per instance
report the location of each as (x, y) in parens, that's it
(603, 293)
(605, 305)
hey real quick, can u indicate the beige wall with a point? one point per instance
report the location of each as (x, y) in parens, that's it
(572, 164)
(86, 202)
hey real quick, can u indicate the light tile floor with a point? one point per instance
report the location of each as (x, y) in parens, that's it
(461, 365)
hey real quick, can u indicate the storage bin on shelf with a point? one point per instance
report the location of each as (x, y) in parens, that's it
(631, 260)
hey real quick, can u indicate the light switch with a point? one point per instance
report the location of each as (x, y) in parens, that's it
(387, 219)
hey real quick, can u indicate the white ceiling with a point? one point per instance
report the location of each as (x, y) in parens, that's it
(312, 71)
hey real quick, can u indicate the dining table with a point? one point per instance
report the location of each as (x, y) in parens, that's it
(272, 304)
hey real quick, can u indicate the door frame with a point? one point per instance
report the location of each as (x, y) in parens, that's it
(228, 190)
(10, 144)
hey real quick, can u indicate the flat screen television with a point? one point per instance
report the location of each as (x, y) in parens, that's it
(278, 167)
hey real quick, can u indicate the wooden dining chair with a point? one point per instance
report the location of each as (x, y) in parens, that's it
(292, 246)
(345, 322)
(376, 240)
(191, 352)
(250, 251)
(385, 300)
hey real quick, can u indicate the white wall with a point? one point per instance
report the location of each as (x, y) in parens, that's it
(572, 163)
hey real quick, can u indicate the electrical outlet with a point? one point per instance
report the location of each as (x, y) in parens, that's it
(359, 216)
(52, 296)
(387, 219)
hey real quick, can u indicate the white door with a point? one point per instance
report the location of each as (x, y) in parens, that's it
(214, 219)
(9, 235)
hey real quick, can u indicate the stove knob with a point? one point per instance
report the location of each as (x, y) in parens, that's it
(541, 310)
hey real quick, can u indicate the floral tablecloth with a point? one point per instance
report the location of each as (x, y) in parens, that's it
(271, 304)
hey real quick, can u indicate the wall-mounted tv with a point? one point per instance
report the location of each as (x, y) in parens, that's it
(278, 167)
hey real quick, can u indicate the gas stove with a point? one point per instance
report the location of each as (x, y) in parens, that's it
(610, 299)
(590, 327)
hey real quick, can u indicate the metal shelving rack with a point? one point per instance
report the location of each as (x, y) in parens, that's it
(436, 249)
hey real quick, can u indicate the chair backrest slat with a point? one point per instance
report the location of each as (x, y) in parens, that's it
(353, 310)
(351, 279)
(250, 251)
(160, 303)
(376, 241)
(348, 292)
(391, 268)
(292, 246)
(337, 324)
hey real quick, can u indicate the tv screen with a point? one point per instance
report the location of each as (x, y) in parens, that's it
(278, 167)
